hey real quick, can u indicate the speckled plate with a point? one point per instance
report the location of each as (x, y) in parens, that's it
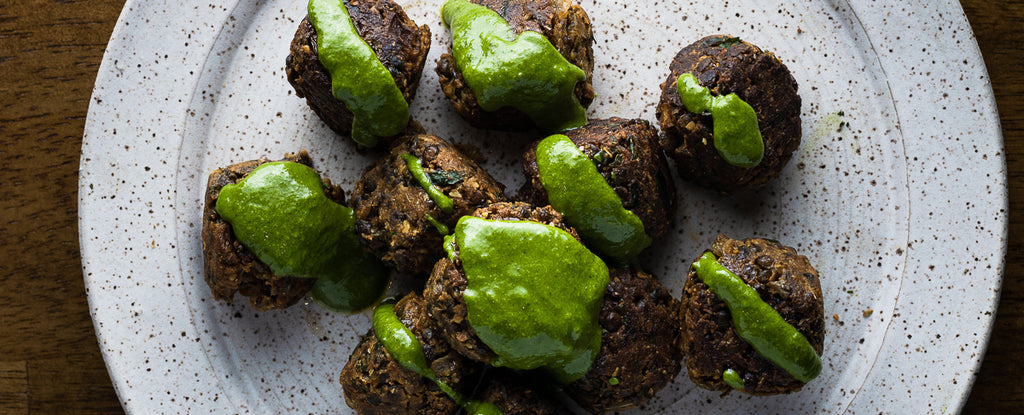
(897, 195)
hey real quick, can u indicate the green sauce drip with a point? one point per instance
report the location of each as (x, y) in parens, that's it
(279, 211)
(405, 348)
(441, 228)
(733, 379)
(524, 72)
(533, 308)
(358, 78)
(588, 202)
(758, 323)
(737, 135)
(416, 168)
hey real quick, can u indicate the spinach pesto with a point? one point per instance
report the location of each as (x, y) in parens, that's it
(440, 199)
(758, 323)
(280, 213)
(590, 205)
(533, 309)
(406, 349)
(524, 72)
(737, 136)
(358, 78)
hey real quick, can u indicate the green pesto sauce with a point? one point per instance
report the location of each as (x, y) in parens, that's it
(733, 379)
(416, 168)
(737, 136)
(532, 308)
(280, 213)
(358, 78)
(441, 228)
(406, 349)
(758, 323)
(524, 72)
(588, 202)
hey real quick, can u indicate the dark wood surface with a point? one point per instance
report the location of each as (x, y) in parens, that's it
(49, 54)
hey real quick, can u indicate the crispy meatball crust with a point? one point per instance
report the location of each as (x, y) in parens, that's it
(232, 268)
(632, 163)
(399, 44)
(447, 281)
(515, 395)
(728, 65)
(374, 383)
(785, 280)
(568, 28)
(639, 344)
(391, 207)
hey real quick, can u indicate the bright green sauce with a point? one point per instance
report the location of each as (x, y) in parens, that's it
(441, 228)
(280, 212)
(737, 135)
(405, 348)
(758, 323)
(358, 78)
(733, 379)
(590, 205)
(416, 168)
(524, 72)
(533, 294)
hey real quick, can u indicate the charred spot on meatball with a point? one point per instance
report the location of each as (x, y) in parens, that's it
(375, 383)
(396, 40)
(784, 280)
(447, 282)
(232, 268)
(726, 65)
(640, 340)
(564, 24)
(628, 156)
(392, 208)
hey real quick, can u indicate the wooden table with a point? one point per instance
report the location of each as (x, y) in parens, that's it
(49, 54)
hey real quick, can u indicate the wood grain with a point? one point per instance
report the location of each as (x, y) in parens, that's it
(49, 55)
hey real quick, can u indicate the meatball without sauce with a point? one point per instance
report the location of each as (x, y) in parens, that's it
(627, 154)
(232, 268)
(564, 24)
(391, 207)
(375, 383)
(784, 280)
(727, 65)
(396, 40)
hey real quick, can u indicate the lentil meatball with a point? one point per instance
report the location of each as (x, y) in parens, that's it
(784, 280)
(447, 281)
(627, 154)
(232, 268)
(564, 24)
(391, 207)
(640, 340)
(516, 395)
(396, 40)
(727, 65)
(374, 383)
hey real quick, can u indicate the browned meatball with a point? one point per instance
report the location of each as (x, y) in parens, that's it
(391, 207)
(399, 44)
(447, 282)
(566, 25)
(374, 383)
(785, 280)
(727, 65)
(627, 154)
(232, 268)
(516, 395)
(640, 340)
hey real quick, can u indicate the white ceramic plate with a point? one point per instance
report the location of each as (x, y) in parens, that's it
(897, 195)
